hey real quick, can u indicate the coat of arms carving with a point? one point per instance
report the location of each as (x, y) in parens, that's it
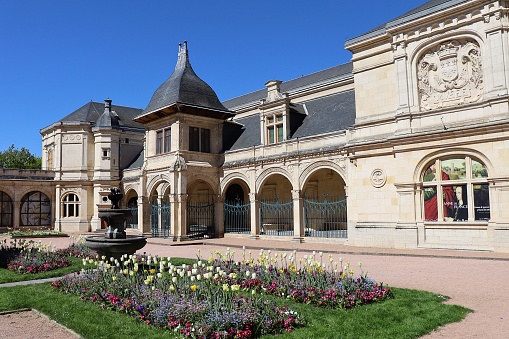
(450, 74)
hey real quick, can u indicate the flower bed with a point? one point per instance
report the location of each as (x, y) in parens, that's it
(36, 257)
(219, 297)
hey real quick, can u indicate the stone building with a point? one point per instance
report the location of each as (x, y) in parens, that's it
(406, 146)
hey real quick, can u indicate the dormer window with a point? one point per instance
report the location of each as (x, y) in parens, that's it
(274, 125)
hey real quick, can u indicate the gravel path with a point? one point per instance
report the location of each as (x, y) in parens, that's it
(476, 280)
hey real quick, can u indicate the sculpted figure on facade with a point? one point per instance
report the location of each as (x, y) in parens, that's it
(450, 74)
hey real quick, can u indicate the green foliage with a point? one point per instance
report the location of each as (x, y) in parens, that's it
(410, 315)
(19, 159)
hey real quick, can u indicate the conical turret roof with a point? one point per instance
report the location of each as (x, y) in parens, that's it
(184, 92)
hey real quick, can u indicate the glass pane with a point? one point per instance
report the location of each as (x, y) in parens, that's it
(455, 203)
(482, 202)
(430, 204)
(205, 140)
(430, 173)
(448, 198)
(279, 118)
(270, 120)
(194, 139)
(454, 169)
(279, 133)
(479, 170)
(271, 135)
(167, 140)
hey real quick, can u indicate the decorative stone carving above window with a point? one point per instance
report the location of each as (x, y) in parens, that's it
(450, 74)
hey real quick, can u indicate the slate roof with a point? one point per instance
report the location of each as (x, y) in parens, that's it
(429, 7)
(90, 113)
(324, 115)
(302, 82)
(137, 162)
(183, 87)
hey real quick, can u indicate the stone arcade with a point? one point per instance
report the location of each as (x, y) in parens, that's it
(406, 146)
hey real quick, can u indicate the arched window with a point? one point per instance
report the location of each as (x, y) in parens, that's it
(456, 190)
(35, 209)
(71, 206)
(6, 208)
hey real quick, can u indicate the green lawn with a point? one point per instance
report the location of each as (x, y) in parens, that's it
(410, 315)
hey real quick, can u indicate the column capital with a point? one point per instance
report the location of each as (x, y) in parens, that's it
(296, 194)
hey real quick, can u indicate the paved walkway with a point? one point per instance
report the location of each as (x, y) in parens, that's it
(476, 280)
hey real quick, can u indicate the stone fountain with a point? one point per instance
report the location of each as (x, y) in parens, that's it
(115, 241)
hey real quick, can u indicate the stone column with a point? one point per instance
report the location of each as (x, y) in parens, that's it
(16, 222)
(255, 216)
(182, 217)
(219, 216)
(143, 214)
(298, 216)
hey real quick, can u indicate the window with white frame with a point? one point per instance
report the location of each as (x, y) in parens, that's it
(274, 126)
(456, 189)
(71, 206)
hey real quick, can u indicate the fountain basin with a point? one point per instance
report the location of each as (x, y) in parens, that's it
(116, 247)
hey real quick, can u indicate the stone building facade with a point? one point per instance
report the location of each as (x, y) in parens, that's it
(406, 146)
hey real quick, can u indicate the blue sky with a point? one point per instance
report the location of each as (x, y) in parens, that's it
(56, 56)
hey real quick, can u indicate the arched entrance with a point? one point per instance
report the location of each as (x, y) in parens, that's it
(132, 205)
(160, 214)
(276, 206)
(237, 209)
(200, 211)
(325, 208)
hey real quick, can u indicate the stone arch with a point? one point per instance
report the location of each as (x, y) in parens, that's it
(426, 160)
(194, 178)
(319, 165)
(233, 177)
(260, 180)
(156, 181)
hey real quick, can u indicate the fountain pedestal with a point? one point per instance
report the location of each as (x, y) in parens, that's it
(115, 241)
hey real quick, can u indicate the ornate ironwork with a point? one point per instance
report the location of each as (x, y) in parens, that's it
(325, 219)
(132, 220)
(237, 217)
(160, 221)
(200, 219)
(276, 218)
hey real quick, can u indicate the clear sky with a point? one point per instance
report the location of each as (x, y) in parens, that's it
(57, 55)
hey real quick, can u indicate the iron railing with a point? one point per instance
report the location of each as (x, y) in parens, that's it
(200, 219)
(325, 219)
(237, 217)
(160, 221)
(276, 218)
(132, 220)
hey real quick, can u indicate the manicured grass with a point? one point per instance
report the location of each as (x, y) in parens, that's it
(7, 276)
(410, 315)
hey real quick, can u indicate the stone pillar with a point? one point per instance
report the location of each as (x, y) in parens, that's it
(298, 216)
(219, 216)
(182, 218)
(255, 216)
(57, 213)
(16, 222)
(144, 210)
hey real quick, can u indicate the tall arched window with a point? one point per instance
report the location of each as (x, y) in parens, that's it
(35, 209)
(456, 190)
(6, 208)
(71, 206)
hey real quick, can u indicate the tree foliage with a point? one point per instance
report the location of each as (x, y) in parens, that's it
(19, 159)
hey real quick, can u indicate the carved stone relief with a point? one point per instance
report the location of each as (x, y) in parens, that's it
(450, 74)
(378, 178)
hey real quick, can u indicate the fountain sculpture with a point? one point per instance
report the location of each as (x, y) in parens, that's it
(115, 241)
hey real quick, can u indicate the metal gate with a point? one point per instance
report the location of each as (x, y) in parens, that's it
(237, 217)
(200, 219)
(160, 221)
(132, 220)
(325, 219)
(276, 218)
